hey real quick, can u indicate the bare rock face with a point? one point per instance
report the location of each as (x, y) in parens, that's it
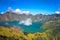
(11, 16)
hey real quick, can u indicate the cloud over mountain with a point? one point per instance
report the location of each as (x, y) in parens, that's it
(57, 12)
(26, 22)
(17, 11)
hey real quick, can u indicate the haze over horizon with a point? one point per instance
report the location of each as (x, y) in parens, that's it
(33, 6)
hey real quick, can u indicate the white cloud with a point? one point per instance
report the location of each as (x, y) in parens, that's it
(18, 11)
(9, 9)
(2, 12)
(26, 12)
(57, 12)
(26, 22)
(22, 22)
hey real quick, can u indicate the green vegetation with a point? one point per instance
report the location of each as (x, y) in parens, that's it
(52, 32)
(53, 28)
(11, 34)
(14, 34)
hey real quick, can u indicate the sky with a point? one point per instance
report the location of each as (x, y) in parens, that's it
(34, 6)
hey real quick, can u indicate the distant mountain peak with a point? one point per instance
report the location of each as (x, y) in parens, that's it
(9, 9)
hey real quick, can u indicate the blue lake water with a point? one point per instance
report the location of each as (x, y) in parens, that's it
(35, 27)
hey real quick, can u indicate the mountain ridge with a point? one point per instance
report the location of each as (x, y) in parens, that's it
(11, 16)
